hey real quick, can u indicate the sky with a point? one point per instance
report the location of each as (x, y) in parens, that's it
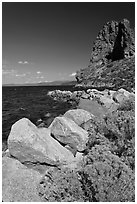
(50, 41)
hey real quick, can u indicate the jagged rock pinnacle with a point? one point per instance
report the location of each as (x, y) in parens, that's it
(115, 42)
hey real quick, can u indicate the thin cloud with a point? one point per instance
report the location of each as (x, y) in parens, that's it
(20, 75)
(23, 62)
(20, 62)
(73, 74)
(40, 77)
(38, 72)
(12, 71)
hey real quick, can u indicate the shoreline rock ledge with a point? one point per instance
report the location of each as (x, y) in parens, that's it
(59, 146)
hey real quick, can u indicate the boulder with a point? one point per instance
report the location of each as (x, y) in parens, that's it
(99, 94)
(89, 90)
(60, 95)
(127, 94)
(6, 153)
(79, 116)
(111, 93)
(30, 144)
(120, 96)
(93, 107)
(104, 98)
(95, 91)
(71, 149)
(68, 132)
(19, 184)
(75, 95)
(108, 103)
(85, 95)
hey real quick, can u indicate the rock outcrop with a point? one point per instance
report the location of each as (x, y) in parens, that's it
(93, 107)
(65, 96)
(79, 116)
(60, 95)
(122, 95)
(30, 144)
(68, 132)
(114, 42)
(19, 184)
(112, 62)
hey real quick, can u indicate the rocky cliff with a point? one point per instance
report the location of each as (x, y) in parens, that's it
(112, 62)
(87, 154)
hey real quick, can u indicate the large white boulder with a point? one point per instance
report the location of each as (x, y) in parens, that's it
(125, 92)
(79, 116)
(28, 143)
(68, 132)
(94, 92)
(85, 95)
(120, 96)
(19, 184)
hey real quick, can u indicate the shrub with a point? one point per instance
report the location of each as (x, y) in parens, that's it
(117, 132)
(105, 178)
(127, 105)
(119, 128)
(61, 185)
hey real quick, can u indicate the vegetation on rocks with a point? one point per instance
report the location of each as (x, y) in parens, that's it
(61, 185)
(106, 173)
(106, 179)
(97, 140)
(112, 62)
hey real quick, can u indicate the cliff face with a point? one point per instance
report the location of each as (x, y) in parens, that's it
(112, 60)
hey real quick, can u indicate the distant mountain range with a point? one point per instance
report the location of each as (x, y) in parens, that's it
(53, 83)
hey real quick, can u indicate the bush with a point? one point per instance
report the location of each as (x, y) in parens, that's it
(127, 105)
(105, 178)
(117, 132)
(121, 132)
(107, 171)
(62, 186)
(102, 178)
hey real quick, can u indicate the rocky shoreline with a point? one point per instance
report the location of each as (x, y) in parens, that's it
(35, 151)
(88, 153)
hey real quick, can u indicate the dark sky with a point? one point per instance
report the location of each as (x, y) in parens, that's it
(50, 41)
